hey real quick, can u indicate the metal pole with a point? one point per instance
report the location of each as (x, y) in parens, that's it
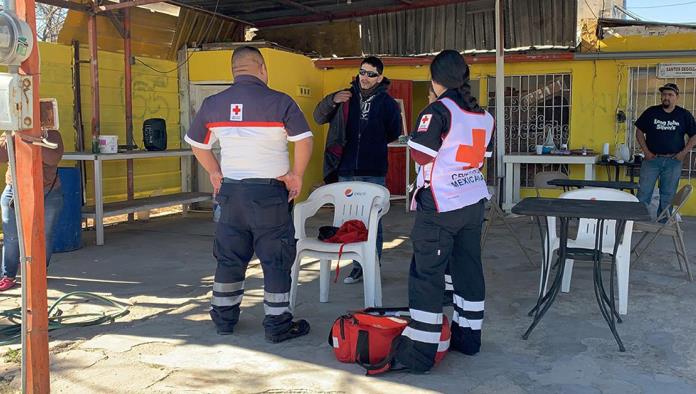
(128, 99)
(499, 89)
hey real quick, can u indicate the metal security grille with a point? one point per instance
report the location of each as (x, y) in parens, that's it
(643, 93)
(536, 106)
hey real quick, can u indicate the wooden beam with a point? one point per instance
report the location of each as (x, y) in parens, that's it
(94, 71)
(71, 5)
(203, 10)
(128, 4)
(426, 60)
(128, 82)
(353, 13)
(300, 6)
(29, 195)
(116, 22)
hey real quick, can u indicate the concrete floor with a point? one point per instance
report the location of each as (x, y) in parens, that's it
(163, 268)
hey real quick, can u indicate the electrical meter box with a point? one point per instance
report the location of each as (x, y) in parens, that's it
(16, 102)
(16, 39)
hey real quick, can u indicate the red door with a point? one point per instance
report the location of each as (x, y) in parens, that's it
(401, 89)
(396, 178)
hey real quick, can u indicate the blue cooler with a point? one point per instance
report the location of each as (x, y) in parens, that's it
(67, 234)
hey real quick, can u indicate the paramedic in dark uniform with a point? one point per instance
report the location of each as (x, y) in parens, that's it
(450, 145)
(254, 186)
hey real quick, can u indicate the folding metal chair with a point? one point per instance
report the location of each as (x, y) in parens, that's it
(666, 224)
(495, 212)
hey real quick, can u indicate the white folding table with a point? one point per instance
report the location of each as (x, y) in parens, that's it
(100, 210)
(512, 171)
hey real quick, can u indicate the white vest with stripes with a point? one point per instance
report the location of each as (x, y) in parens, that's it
(454, 176)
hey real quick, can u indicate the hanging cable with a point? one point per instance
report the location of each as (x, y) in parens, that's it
(210, 25)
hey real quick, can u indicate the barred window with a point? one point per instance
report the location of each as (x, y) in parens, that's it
(536, 106)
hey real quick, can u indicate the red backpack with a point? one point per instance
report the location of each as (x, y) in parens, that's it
(367, 337)
(350, 231)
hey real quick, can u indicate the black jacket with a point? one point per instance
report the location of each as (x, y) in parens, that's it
(354, 147)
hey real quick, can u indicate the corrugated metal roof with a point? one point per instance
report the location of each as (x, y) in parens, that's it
(470, 26)
(288, 12)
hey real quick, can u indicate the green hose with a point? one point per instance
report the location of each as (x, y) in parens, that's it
(56, 319)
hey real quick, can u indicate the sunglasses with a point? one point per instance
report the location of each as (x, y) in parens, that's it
(370, 74)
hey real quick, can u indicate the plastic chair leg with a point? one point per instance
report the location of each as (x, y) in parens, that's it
(622, 269)
(369, 280)
(324, 280)
(544, 284)
(295, 275)
(378, 283)
(567, 275)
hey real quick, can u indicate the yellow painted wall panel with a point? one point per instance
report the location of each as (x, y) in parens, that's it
(154, 95)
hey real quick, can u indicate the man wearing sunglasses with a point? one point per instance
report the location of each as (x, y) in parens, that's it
(362, 119)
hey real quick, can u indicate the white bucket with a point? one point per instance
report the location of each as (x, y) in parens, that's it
(108, 144)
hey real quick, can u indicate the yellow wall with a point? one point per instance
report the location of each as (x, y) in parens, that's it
(152, 33)
(154, 95)
(287, 71)
(599, 88)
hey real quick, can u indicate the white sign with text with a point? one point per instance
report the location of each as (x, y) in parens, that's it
(676, 70)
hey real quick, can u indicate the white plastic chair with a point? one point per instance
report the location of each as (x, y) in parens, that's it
(351, 200)
(586, 239)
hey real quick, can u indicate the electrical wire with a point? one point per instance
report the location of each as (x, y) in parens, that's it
(210, 25)
(56, 319)
(590, 8)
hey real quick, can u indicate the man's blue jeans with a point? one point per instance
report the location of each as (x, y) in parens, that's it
(53, 203)
(378, 180)
(668, 171)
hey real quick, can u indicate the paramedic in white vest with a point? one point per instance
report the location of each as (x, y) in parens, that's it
(450, 145)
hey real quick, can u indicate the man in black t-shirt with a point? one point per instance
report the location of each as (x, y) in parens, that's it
(660, 132)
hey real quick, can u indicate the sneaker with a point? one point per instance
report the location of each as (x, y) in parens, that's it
(297, 329)
(7, 283)
(355, 276)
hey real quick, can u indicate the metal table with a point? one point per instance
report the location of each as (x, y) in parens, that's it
(564, 210)
(99, 158)
(631, 166)
(566, 184)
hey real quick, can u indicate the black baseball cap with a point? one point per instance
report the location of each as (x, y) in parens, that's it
(670, 86)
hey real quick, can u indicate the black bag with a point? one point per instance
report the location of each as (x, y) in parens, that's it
(155, 134)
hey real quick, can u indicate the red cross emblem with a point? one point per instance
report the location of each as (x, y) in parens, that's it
(236, 112)
(424, 123)
(473, 155)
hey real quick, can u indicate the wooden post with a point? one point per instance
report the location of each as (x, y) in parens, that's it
(29, 189)
(93, 49)
(128, 81)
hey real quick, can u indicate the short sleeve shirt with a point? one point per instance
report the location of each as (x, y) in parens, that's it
(664, 132)
(253, 124)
